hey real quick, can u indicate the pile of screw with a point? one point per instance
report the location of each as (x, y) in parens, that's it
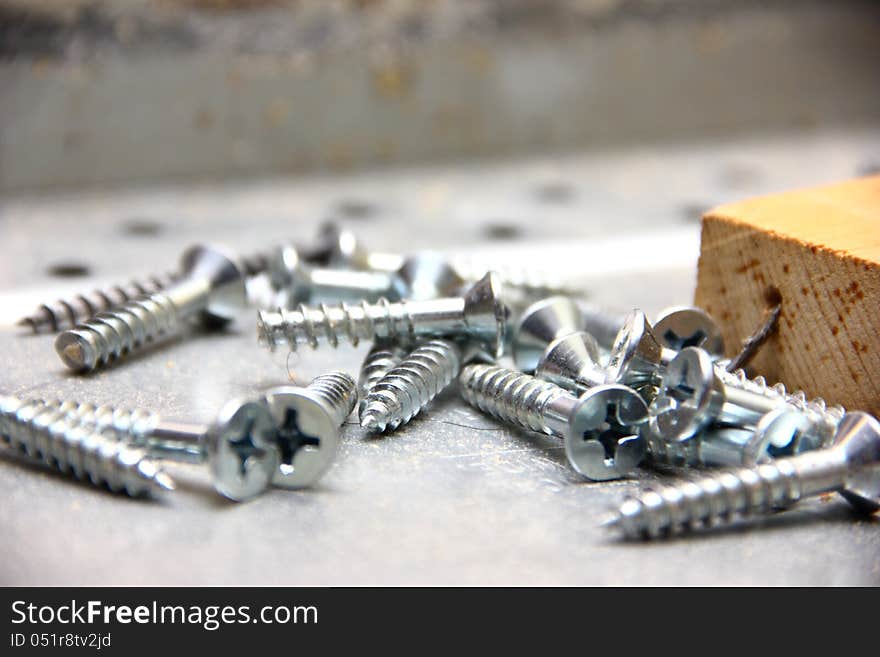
(619, 391)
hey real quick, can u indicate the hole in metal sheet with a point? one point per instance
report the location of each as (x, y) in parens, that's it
(499, 230)
(142, 227)
(358, 209)
(556, 192)
(68, 270)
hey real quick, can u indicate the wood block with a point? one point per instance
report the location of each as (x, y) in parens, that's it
(819, 251)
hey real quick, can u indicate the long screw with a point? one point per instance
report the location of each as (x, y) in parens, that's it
(479, 314)
(597, 427)
(411, 385)
(240, 447)
(211, 289)
(308, 420)
(851, 467)
(54, 434)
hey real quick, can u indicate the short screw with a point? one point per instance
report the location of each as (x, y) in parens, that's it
(409, 386)
(851, 467)
(211, 287)
(377, 363)
(64, 313)
(240, 446)
(479, 314)
(53, 433)
(597, 427)
(308, 420)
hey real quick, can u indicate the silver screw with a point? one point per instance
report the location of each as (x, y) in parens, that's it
(347, 252)
(408, 387)
(308, 421)
(211, 288)
(377, 363)
(295, 282)
(240, 446)
(479, 314)
(53, 434)
(693, 395)
(596, 427)
(572, 362)
(851, 467)
(64, 313)
(541, 323)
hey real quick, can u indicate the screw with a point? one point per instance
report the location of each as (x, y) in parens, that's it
(296, 282)
(240, 446)
(53, 434)
(479, 314)
(851, 467)
(408, 387)
(308, 421)
(595, 426)
(693, 395)
(378, 362)
(211, 288)
(429, 276)
(347, 252)
(572, 362)
(542, 323)
(64, 313)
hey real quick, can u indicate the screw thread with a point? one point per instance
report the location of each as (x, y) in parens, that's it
(338, 391)
(407, 388)
(111, 335)
(720, 498)
(381, 358)
(823, 417)
(65, 313)
(327, 323)
(512, 396)
(57, 434)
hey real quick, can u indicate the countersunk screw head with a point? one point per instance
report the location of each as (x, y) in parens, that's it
(242, 450)
(307, 435)
(688, 326)
(684, 405)
(228, 293)
(572, 362)
(427, 276)
(486, 313)
(636, 353)
(600, 443)
(542, 323)
(859, 439)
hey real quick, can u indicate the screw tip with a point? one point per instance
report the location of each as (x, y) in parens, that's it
(164, 481)
(76, 350)
(373, 418)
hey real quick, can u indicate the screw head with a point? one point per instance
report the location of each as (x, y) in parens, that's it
(858, 436)
(307, 436)
(226, 275)
(602, 442)
(242, 450)
(689, 326)
(289, 276)
(683, 406)
(541, 323)
(427, 276)
(572, 362)
(485, 312)
(635, 355)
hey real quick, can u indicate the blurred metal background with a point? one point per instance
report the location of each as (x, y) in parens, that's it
(113, 91)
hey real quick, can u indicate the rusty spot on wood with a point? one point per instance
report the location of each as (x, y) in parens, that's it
(835, 330)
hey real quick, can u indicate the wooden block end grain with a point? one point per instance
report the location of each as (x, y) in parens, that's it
(818, 250)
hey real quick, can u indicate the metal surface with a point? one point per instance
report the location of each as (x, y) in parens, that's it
(851, 467)
(453, 497)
